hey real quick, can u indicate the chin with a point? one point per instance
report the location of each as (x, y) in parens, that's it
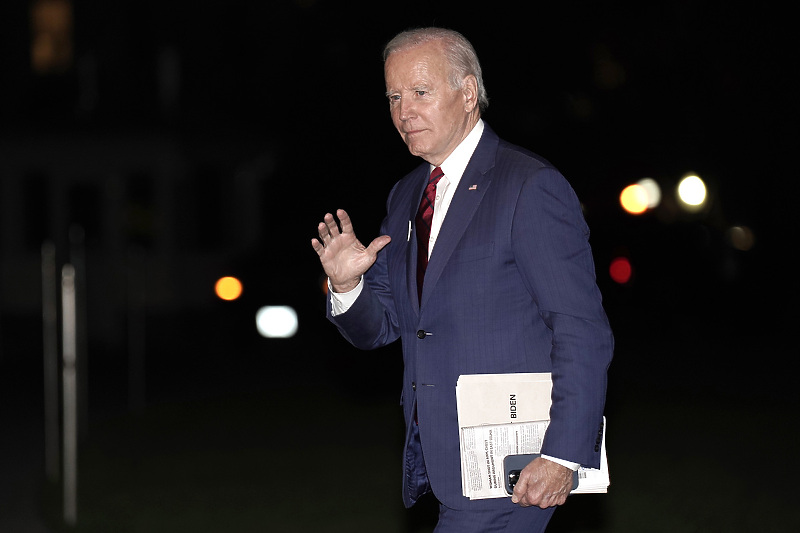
(417, 150)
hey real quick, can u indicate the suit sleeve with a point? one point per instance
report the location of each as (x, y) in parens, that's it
(551, 247)
(371, 321)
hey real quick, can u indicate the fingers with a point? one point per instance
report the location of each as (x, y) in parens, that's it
(544, 484)
(324, 239)
(519, 491)
(328, 229)
(524, 490)
(344, 220)
(535, 494)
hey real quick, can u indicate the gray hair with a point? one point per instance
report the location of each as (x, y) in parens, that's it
(458, 51)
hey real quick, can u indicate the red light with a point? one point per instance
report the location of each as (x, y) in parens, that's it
(621, 270)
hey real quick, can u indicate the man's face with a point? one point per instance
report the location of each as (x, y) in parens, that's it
(431, 117)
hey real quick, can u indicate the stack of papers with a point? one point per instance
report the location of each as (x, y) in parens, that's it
(508, 414)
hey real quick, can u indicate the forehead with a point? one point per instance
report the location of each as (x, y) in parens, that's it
(422, 63)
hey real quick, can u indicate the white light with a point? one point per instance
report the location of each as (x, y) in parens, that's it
(692, 191)
(653, 192)
(276, 321)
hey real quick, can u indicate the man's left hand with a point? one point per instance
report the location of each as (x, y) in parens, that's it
(543, 483)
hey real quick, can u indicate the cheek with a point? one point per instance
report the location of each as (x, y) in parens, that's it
(394, 116)
(398, 124)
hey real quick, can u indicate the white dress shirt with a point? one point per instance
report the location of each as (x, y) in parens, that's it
(453, 168)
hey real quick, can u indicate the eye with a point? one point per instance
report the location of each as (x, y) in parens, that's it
(421, 92)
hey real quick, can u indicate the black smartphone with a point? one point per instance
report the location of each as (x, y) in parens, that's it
(513, 465)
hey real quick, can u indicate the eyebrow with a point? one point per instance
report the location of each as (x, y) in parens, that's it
(420, 87)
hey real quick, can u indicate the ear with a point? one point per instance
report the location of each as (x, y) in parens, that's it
(469, 89)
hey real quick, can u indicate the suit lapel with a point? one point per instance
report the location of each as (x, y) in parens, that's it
(411, 255)
(471, 189)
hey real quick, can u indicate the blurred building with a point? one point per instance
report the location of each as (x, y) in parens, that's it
(95, 158)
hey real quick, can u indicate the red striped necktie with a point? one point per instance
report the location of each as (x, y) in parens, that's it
(423, 223)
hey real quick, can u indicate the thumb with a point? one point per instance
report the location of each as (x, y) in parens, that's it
(378, 244)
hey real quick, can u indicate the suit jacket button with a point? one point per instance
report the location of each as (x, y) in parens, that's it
(421, 334)
(597, 448)
(413, 385)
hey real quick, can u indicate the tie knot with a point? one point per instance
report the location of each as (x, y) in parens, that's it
(436, 175)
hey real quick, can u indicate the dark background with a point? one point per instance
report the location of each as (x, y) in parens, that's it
(285, 101)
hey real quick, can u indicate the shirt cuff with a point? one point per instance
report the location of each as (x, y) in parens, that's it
(342, 301)
(569, 464)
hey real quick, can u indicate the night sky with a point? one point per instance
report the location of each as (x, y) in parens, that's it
(609, 92)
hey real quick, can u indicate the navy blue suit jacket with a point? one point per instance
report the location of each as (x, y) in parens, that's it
(510, 287)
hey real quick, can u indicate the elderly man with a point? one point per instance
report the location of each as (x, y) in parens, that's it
(483, 266)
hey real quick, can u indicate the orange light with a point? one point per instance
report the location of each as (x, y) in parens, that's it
(634, 199)
(228, 288)
(51, 36)
(323, 284)
(621, 270)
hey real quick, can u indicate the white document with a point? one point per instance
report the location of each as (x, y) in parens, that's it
(507, 414)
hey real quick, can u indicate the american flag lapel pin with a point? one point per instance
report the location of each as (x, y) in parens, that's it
(473, 187)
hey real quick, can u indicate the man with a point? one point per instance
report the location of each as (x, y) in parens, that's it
(509, 285)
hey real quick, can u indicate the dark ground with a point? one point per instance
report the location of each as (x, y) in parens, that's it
(240, 443)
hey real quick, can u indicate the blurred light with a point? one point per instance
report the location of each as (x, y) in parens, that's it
(692, 192)
(276, 321)
(653, 192)
(621, 270)
(323, 284)
(634, 199)
(51, 36)
(608, 72)
(741, 238)
(228, 288)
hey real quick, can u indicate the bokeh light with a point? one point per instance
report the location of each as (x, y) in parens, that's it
(634, 199)
(621, 270)
(228, 288)
(741, 238)
(692, 192)
(323, 285)
(653, 191)
(276, 321)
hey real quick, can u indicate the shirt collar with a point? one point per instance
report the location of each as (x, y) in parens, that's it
(455, 164)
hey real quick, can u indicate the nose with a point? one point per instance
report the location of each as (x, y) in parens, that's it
(405, 109)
